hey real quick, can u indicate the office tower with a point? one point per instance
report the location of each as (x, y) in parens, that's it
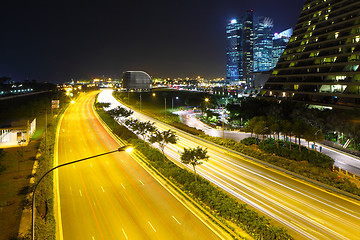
(263, 44)
(234, 64)
(320, 65)
(248, 41)
(280, 41)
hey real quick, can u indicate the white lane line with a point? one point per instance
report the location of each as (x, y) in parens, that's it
(176, 220)
(123, 186)
(124, 233)
(141, 182)
(90, 164)
(80, 192)
(151, 226)
(107, 163)
(102, 189)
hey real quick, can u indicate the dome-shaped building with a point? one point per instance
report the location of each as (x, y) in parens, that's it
(136, 80)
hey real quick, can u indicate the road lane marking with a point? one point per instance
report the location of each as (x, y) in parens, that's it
(80, 193)
(102, 189)
(141, 182)
(176, 220)
(124, 233)
(151, 226)
(123, 186)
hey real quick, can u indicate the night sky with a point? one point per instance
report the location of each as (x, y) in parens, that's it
(56, 41)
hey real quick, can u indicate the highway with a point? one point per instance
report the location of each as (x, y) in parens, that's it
(306, 210)
(342, 160)
(113, 196)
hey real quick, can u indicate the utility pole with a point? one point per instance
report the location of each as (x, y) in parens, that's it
(165, 107)
(140, 102)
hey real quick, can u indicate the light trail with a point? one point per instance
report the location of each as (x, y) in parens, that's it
(307, 210)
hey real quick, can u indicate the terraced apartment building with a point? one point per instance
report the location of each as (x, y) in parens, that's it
(320, 65)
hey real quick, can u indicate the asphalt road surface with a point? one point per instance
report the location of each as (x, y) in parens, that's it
(305, 209)
(113, 197)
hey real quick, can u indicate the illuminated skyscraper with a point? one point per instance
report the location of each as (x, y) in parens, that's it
(248, 50)
(280, 41)
(234, 64)
(263, 44)
(320, 65)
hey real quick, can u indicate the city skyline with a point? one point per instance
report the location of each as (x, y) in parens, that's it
(57, 43)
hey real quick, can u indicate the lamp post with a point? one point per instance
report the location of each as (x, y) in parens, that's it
(165, 106)
(140, 102)
(120, 149)
(172, 102)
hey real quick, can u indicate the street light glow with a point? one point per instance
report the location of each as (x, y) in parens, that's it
(129, 149)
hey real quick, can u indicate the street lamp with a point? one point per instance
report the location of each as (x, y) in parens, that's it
(125, 148)
(172, 102)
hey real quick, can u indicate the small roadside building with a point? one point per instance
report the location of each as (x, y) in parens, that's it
(18, 133)
(136, 81)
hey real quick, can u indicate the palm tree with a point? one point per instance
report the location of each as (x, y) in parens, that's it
(163, 138)
(194, 156)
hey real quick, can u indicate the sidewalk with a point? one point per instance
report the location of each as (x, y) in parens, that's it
(342, 160)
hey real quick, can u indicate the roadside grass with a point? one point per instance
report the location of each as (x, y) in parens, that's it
(14, 183)
(14, 180)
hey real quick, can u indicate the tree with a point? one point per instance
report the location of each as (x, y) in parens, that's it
(299, 128)
(120, 112)
(261, 129)
(99, 105)
(309, 135)
(250, 126)
(194, 156)
(141, 128)
(163, 138)
(286, 127)
(275, 128)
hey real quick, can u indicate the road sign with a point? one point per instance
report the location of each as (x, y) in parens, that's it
(55, 103)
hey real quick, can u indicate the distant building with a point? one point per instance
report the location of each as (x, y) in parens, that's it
(320, 65)
(263, 44)
(17, 134)
(280, 41)
(248, 47)
(234, 67)
(137, 81)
